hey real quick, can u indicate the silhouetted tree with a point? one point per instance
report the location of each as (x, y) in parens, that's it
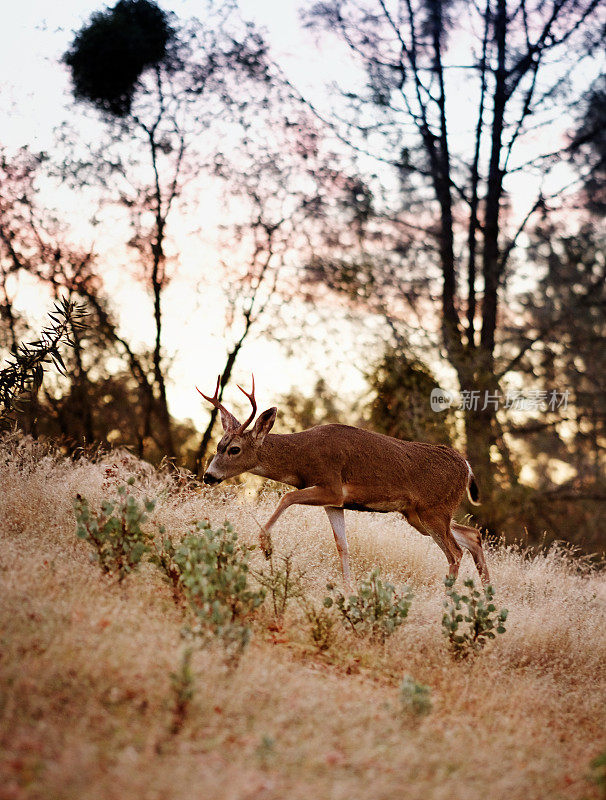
(23, 372)
(588, 147)
(517, 72)
(35, 246)
(160, 92)
(298, 412)
(282, 185)
(400, 407)
(562, 438)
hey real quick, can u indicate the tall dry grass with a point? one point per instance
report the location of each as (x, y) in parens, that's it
(86, 704)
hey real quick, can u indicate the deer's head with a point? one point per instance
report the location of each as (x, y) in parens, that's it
(238, 450)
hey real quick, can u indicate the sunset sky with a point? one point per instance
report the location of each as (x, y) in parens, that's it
(35, 99)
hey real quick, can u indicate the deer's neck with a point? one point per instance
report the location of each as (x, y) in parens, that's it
(278, 459)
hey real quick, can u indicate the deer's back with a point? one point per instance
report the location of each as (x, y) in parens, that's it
(361, 458)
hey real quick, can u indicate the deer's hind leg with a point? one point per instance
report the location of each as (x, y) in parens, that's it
(471, 539)
(438, 527)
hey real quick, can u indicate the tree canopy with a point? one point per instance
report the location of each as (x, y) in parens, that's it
(109, 54)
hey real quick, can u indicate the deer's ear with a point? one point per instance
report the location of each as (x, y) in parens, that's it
(264, 424)
(228, 421)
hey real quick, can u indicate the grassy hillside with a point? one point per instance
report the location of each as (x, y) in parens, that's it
(87, 702)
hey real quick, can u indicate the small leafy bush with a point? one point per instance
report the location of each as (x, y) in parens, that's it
(23, 371)
(208, 570)
(115, 533)
(377, 610)
(598, 774)
(470, 620)
(163, 556)
(214, 575)
(321, 625)
(266, 750)
(282, 581)
(182, 685)
(415, 697)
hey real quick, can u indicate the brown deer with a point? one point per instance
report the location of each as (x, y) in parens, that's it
(342, 467)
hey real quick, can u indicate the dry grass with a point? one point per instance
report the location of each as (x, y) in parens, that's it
(85, 689)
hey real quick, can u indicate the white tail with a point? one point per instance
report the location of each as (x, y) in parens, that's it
(341, 467)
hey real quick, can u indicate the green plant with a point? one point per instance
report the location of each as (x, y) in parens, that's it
(214, 575)
(24, 369)
(377, 610)
(163, 556)
(476, 609)
(115, 533)
(598, 774)
(282, 582)
(182, 684)
(266, 750)
(321, 625)
(415, 697)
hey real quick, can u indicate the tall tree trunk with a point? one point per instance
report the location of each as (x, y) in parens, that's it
(138, 371)
(480, 423)
(157, 286)
(492, 207)
(479, 437)
(81, 391)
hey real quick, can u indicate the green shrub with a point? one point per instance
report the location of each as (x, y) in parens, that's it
(214, 575)
(415, 697)
(282, 582)
(115, 533)
(598, 774)
(377, 610)
(208, 570)
(182, 685)
(321, 625)
(477, 611)
(163, 556)
(266, 750)
(22, 373)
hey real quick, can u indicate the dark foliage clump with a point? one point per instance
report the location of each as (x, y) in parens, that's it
(401, 406)
(109, 54)
(24, 369)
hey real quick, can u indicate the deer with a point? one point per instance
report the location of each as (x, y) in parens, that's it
(341, 467)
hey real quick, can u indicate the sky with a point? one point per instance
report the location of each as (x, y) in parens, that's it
(35, 98)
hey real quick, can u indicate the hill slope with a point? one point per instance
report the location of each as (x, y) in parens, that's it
(86, 703)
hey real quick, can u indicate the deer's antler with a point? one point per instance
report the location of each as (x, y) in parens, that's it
(229, 422)
(253, 403)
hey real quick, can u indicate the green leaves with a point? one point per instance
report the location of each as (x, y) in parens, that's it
(208, 570)
(598, 773)
(377, 610)
(213, 568)
(115, 533)
(183, 688)
(283, 581)
(24, 369)
(415, 697)
(476, 609)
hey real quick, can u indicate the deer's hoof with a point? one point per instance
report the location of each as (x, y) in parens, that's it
(265, 544)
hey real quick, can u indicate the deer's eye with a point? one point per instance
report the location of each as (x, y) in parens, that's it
(233, 451)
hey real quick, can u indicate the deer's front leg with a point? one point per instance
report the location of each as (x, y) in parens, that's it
(311, 496)
(336, 517)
